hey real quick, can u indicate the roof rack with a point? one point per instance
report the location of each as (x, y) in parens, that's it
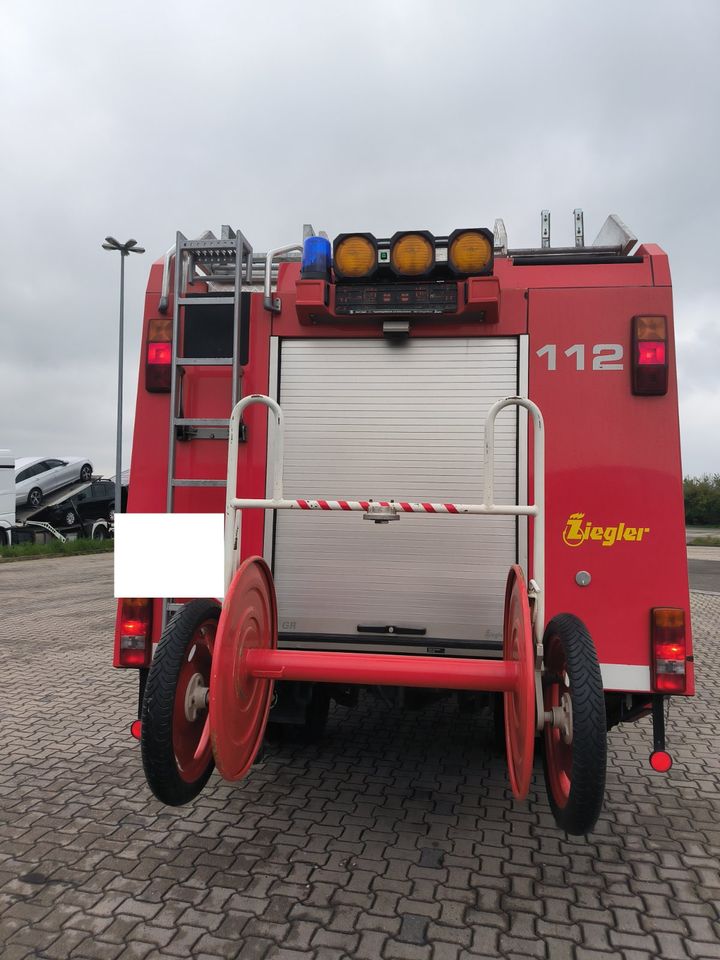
(216, 263)
(615, 240)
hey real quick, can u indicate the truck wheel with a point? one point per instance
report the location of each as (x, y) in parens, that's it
(575, 749)
(35, 497)
(174, 711)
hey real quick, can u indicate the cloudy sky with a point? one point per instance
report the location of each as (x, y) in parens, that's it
(147, 116)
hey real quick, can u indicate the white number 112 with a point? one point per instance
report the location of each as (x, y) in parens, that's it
(606, 356)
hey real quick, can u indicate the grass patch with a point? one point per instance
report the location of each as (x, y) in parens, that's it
(709, 541)
(71, 548)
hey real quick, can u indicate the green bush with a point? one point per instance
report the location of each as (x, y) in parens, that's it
(702, 499)
(55, 549)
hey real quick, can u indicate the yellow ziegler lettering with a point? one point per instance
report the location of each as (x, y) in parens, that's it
(609, 536)
(578, 530)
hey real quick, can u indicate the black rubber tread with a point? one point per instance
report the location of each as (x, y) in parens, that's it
(589, 744)
(156, 742)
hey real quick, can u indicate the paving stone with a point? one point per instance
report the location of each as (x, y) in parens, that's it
(394, 838)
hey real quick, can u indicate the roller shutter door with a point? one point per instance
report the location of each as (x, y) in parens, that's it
(375, 419)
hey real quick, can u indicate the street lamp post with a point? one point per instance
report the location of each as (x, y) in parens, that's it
(125, 249)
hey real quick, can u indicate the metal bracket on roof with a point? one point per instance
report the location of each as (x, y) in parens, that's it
(500, 241)
(545, 229)
(614, 233)
(579, 228)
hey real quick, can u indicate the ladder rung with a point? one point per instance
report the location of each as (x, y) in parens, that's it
(199, 483)
(205, 299)
(204, 361)
(201, 422)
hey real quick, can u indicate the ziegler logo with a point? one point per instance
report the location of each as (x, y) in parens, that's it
(577, 531)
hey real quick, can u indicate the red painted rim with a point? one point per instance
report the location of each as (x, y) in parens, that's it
(239, 704)
(558, 754)
(519, 704)
(187, 733)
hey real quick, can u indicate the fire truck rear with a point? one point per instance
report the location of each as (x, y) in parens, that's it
(514, 409)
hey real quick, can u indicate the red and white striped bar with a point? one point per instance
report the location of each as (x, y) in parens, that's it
(400, 506)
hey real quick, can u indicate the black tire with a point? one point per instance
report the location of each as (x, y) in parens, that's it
(86, 472)
(100, 533)
(160, 763)
(572, 663)
(69, 518)
(35, 497)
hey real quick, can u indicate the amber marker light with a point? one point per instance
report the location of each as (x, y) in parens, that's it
(470, 252)
(412, 254)
(354, 256)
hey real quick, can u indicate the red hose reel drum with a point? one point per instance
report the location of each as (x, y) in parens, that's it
(246, 661)
(239, 702)
(519, 703)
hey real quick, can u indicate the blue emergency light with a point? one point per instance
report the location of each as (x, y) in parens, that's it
(316, 259)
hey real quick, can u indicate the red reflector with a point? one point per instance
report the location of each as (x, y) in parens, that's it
(136, 729)
(158, 367)
(649, 352)
(669, 650)
(660, 761)
(134, 657)
(159, 352)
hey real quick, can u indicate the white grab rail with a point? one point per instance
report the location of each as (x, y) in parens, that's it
(536, 510)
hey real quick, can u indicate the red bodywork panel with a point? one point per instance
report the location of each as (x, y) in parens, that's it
(612, 458)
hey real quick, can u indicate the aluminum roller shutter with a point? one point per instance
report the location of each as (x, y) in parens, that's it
(405, 421)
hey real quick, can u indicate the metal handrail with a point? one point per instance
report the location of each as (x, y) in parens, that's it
(269, 303)
(536, 510)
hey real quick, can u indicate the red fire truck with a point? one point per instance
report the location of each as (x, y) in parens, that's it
(515, 409)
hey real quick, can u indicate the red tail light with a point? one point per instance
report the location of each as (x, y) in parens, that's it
(158, 358)
(669, 650)
(650, 362)
(134, 644)
(160, 353)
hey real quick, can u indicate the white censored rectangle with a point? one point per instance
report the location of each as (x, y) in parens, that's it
(169, 555)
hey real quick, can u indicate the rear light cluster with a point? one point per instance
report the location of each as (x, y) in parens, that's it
(135, 632)
(669, 650)
(650, 356)
(158, 356)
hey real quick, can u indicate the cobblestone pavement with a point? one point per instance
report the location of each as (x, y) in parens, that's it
(394, 838)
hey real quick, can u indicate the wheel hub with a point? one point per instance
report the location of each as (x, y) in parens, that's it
(560, 718)
(196, 697)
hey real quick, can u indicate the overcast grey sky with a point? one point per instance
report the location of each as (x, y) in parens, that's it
(140, 118)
